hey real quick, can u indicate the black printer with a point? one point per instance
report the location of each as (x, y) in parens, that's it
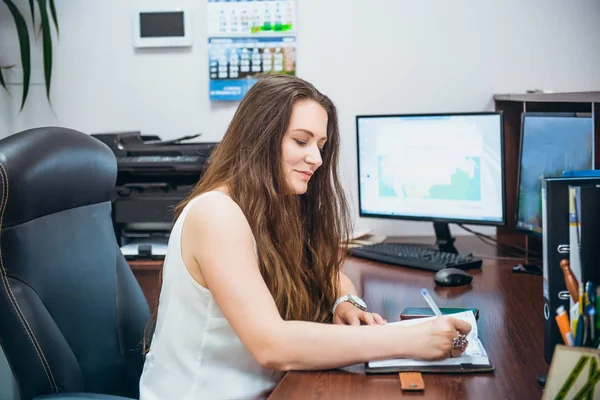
(153, 177)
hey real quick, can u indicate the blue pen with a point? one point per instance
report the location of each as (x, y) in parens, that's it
(429, 300)
(580, 330)
(592, 311)
(586, 326)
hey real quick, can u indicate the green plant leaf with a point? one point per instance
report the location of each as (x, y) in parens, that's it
(24, 45)
(32, 8)
(2, 83)
(54, 17)
(46, 45)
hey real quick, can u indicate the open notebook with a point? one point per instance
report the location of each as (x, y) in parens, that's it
(474, 359)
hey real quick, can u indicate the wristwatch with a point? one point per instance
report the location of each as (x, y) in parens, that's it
(352, 299)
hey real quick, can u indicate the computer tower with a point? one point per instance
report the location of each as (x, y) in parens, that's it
(556, 247)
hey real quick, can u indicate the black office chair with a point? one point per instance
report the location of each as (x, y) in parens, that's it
(72, 315)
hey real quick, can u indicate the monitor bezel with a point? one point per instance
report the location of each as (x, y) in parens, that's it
(549, 114)
(502, 222)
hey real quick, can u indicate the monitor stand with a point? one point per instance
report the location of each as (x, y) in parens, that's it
(443, 237)
(527, 267)
(533, 269)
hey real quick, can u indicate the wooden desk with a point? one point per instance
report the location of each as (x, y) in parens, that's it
(147, 274)
(510, 326)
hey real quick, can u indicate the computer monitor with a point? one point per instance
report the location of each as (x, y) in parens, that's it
(550, 144)
(432, 167)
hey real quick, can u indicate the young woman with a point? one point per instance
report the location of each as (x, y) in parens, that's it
(252, 273)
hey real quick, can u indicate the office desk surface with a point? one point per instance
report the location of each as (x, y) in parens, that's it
(510, 327)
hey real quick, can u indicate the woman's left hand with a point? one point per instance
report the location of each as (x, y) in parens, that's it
(347, 314)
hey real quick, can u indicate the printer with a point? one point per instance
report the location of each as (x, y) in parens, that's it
(153, 177)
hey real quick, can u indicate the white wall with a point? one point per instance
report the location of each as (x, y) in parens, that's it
(376, 56)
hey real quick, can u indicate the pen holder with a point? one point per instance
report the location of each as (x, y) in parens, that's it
(570, 371)
(584, 327)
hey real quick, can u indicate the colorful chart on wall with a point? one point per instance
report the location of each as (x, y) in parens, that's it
(249, 39)
(251, 17)
(237, 63)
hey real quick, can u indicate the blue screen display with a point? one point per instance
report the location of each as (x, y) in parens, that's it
(550, 145)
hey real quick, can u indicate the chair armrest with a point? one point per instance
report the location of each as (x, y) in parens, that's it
(81, 396)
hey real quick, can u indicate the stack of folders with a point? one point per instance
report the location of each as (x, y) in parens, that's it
(584, 238)
(474, 359)
(571, 276)
(556, 246)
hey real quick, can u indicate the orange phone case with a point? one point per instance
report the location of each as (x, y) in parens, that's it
(411, 381)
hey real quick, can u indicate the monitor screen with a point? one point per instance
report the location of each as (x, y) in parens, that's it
(439, 167)
(550, 144)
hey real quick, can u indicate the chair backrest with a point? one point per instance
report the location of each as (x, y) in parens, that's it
(72, 314)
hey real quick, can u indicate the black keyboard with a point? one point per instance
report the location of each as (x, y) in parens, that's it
(415, 256)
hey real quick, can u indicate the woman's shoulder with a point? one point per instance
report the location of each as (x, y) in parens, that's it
(216, 222)
(215, 208)
(212, 197)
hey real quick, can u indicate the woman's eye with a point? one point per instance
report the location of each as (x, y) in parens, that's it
(300, 142)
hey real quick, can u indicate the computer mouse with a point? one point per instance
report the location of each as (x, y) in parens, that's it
(452, 277)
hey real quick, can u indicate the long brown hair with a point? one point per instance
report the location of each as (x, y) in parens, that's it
(298, 237)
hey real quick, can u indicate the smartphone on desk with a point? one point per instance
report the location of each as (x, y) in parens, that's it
(421, 312)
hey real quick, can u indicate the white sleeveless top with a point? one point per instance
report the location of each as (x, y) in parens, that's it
(194, 353)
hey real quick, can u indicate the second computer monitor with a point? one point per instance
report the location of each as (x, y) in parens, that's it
(436, 167)
(550, 144)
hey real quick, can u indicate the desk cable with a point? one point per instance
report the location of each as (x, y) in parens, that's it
(515, 250)
(497, 258)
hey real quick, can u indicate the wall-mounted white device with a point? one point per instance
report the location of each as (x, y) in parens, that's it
(162, 28)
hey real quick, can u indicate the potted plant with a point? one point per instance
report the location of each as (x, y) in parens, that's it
(47, 11)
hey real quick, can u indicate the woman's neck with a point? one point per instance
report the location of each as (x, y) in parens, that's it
(223, 189)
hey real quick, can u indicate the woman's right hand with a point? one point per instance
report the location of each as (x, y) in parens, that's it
(433, 339)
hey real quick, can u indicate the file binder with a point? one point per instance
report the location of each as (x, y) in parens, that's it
(592, 173)
(584, 221)
(556, 246)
